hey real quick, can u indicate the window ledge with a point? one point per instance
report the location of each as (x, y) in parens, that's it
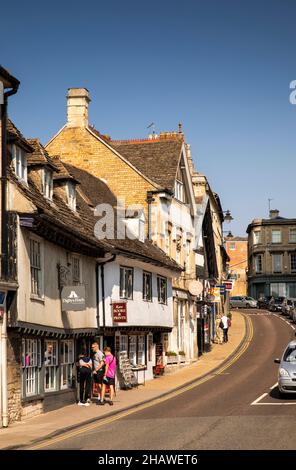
(36, 298)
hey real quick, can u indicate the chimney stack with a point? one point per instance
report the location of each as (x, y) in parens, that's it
(273, 214)
(77, 107)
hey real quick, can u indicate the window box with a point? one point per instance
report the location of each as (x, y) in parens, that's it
(172, 357)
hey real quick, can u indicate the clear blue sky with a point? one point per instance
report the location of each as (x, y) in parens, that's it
(222, 67)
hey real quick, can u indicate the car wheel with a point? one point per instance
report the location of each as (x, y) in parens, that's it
(247, 305)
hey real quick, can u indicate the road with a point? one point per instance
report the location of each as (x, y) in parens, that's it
(237, 409)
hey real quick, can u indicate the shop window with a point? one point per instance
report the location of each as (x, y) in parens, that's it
(141, 351)
(67, 363)
(51, 365)
(133, 350)
(31, 366)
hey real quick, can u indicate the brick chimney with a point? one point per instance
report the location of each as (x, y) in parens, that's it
(77, 107)
(273, 214)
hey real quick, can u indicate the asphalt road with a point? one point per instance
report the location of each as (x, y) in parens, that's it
(237, 409)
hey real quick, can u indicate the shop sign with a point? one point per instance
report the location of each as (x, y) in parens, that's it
(73, 298)
(228, 285)
(119, 311)
(215, 292)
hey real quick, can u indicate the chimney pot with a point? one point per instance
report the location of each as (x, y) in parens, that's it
(77, 107)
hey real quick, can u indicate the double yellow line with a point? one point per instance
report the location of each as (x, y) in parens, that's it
(156, 401)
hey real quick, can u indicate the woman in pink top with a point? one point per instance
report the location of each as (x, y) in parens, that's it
(109, 376)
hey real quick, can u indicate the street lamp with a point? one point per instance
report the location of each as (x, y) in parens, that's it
(228, 217)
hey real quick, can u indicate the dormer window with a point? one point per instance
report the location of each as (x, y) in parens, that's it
(179, 190)
(19, 159)
(71, 195)
(47, 183)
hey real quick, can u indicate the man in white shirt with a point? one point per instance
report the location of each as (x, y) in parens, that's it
(225, 322)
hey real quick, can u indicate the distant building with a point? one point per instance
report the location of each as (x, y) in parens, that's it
(237, 250)
(272, 256)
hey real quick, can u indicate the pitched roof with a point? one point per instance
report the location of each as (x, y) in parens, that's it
(62, 172)
(40, 155)
(15, 134)
(156, 159)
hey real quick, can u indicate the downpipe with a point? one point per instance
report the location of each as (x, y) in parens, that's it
(4, 393)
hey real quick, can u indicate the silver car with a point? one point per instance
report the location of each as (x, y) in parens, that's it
(287, 369)
(240, 301)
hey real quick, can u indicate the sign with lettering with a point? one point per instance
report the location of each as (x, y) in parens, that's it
(119, 310)
(73, 298)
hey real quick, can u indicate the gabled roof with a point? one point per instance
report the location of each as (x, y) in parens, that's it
(156, 159)
(15, 135)
(62, 172)
(40, 156)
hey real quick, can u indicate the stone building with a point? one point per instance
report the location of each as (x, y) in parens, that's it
(154, 174)
(58, 259)
(237, 250)
(272, 256)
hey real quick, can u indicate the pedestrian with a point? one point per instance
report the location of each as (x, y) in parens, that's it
(225, 320)
(218, 330)
(109, 376)
(85, 373)
(98, 368)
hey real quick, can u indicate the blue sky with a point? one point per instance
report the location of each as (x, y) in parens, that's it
(221, 67)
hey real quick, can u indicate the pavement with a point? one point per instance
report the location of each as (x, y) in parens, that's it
(44, 426)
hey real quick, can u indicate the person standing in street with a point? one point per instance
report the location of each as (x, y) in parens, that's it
(225, 320)
(85, 372)
(99, 367)
(109, 376)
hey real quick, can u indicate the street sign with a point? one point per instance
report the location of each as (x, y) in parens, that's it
(119, 311)
(73, 298)
(228, 285)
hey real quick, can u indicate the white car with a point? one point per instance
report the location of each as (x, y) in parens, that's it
(240, 301)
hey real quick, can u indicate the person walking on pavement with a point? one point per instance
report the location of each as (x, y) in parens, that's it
(226, 323)
(85, 368)
(109, 376)
(99, 367)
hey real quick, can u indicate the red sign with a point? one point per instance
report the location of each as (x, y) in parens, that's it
(228, 285)
(119, 312)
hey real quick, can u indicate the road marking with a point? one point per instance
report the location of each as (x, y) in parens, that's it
(275, 385)
(274, 404)
(258, 399)
(156, 401)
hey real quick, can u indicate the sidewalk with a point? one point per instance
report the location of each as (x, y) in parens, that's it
(37, 428)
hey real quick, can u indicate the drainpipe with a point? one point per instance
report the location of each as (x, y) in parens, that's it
(101, 263)
(4, 251)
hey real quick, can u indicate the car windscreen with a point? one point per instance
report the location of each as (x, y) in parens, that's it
(290, 354)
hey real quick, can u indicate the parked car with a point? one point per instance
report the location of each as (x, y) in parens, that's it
(263, 302)
(287, 369)
(287, 306)
(242, 302)
(275, 304)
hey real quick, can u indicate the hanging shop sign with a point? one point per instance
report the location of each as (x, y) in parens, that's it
(73, 298)
(119, 311)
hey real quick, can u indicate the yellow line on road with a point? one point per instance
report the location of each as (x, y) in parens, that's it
(154, 402)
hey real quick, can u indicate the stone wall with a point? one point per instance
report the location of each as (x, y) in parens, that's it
(14, 377)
